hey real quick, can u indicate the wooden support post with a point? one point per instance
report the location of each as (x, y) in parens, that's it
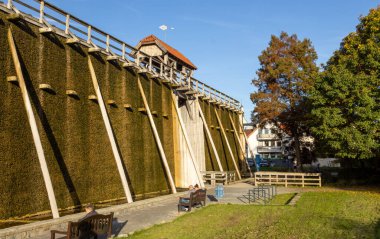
(209, 136)
(196, 168)
(108, 43)
(33, 126)
(228, 144)
(157, 137)
(89, 34)
(42, 6)
(286, 180)
(240, 143)
(111, 136)
(123, 51)
(67, 28)
(303, 181)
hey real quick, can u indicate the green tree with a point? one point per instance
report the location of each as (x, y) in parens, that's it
(287, 73)
(346, 97)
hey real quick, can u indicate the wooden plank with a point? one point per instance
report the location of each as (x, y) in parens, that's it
(94, 50)
(228, 144)
(72, 41)
(15, 17)
(239, 142)
(157, 137)
(33, 126)
(187, 140)
(12, 79)
(112, 58)
(46, 30)
(209, 136)
(110, 133)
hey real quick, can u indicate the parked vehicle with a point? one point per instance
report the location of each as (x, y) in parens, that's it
(264, 163)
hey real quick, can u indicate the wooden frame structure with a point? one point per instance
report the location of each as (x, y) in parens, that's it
(209, 136)
(284, 178)
(72, 28)
(110, 133)
(228, 144)
(187, 140)
(33, 126)
(157, 137)
(240, 143)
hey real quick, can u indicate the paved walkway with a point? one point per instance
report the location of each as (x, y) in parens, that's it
(160, 211)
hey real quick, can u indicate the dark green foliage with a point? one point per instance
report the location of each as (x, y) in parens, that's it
(76, 145)
(346, 97)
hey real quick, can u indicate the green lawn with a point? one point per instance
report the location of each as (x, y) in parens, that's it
(336, 215)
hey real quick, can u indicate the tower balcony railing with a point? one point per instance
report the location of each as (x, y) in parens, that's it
(267, 137)
(51, 19)
(269, 149)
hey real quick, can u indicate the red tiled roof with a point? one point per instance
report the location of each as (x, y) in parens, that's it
(248, 132)
(153, 39)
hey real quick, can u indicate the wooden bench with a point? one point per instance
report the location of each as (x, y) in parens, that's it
(96, 226)
(196, 198)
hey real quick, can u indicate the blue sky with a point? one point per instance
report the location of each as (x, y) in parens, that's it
(224, 38)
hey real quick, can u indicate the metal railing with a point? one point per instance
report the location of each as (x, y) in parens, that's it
(53, 19)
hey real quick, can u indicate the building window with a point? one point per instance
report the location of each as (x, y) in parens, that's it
(279, 143)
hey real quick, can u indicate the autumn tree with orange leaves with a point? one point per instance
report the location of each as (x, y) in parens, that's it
(287, 73)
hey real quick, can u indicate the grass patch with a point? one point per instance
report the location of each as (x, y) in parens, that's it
(343, 214)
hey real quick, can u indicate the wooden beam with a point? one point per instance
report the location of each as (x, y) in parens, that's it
(72, 41)
(33, 126)
(112, 58)
(157, 137)
(94, 50)
(228, 144)
(15, 17)
(196, 168)
(209, 136)
(240, 143)
(110, 133)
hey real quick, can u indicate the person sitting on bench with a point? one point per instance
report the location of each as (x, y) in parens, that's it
(90, 210)
(187, 198)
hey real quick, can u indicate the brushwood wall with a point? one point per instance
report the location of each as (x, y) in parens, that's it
(74, 138)
(76, 145)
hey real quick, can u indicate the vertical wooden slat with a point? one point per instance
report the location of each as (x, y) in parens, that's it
(42, 8)
(9, 4)
(33, 126)
(123, 51)
(108, 43)
(89, 34)
(67, 28)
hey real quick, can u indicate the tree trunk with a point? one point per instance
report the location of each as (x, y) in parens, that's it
(297, 148)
